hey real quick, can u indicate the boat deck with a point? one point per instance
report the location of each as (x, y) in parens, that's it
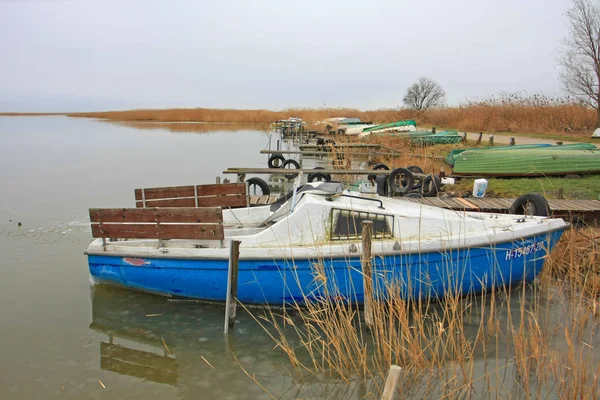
(584, 209)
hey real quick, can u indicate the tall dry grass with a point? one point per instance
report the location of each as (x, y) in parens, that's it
(506, 112)
(527, 341)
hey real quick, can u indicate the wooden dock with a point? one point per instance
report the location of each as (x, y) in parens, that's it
(587, 210)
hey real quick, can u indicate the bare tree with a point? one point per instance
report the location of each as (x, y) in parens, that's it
(580, 62)
(424, 94)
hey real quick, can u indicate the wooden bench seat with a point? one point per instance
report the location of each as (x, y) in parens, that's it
(205, 223)
(226, 195)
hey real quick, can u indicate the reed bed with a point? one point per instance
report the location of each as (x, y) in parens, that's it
(526, 341)
(506, 112)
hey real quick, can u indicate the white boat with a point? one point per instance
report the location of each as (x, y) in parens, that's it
(309, 246)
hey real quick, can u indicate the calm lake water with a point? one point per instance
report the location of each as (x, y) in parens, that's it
(60, 338)
(63, 339)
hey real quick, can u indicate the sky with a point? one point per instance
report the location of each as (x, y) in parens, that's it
(89, 55)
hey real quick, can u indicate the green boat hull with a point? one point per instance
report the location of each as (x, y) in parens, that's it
(547, 161)
(396, 124)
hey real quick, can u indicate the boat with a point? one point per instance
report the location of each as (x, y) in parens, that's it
(429, 139)
(408, 125)
(543, 161)
(308, 246)
(451, 157)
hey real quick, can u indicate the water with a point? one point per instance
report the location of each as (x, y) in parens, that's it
(52, 169)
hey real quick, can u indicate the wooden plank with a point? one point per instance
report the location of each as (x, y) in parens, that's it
(162, 215)
(165, 192)
(222, 201)
(139, 357)
(183, 202)
(221, 189)
(467, 204)
(262, 200)
(163, 231)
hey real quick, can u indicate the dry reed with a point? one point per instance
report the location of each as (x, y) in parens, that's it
(506, 112)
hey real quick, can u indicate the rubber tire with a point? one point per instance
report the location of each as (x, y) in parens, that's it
(328, 176)
(431, 186)
(407, 182)
(276, 156)
(413, 195)
(260, 183)
(379, 166)
(330, 141)
(287, 162)
(415, 169)
(537, 204)
(382, 185)
(316, 175)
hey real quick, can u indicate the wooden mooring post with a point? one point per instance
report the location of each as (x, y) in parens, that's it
(232, 284)
(491, 140)
(480, 136)
(366, 262)
(389, 390)
(512, 141)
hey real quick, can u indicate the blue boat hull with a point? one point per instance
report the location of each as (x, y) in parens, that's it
(426, 275)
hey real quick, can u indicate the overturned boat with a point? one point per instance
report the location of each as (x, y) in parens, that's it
(308, 246)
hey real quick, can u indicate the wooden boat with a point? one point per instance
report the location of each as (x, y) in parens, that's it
(308, 246)
(544, 161)
(429, 139)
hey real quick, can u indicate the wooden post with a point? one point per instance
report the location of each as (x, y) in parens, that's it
(389, 390)
(512, 141)
(433, 130)
(464, 139)
(491, 140)
(560, 194)
(278, 145)
(232, 284)
(559, 143)
(367, 232)
(480, 137)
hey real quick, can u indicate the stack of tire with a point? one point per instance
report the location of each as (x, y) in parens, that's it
(407, 182)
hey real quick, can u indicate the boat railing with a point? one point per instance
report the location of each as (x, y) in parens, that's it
(202, 223)
(226, 195)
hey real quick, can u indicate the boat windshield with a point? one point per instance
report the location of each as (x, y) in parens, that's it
(319, 187)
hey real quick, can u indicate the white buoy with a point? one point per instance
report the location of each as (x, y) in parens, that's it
(479, 187)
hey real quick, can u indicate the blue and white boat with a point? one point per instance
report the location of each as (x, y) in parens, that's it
(309, 247)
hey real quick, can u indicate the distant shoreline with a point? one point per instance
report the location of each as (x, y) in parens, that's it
(569, 120)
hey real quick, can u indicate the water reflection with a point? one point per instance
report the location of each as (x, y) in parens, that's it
(192, 127)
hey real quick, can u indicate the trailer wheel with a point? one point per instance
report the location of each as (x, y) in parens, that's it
(401, 180)
(328, 176)
(431, 186)
(531, 204)
(280, 160)
(254, 183)
(319, 177)
(415, 169)
(295, 165)
(382, 185)
(380, 166)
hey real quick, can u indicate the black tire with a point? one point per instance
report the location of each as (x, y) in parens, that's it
(400, 181)
(531, 204)
(382, 185)
(328, 176)
(291, 162)
(413, 195)
(258, 183)
(330, 141)
(431, 186)
(319, 177)
(415, 169)
(320, 141)
(380, 166)
(274, 157)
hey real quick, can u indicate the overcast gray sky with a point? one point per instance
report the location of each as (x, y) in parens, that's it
(63, 55)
